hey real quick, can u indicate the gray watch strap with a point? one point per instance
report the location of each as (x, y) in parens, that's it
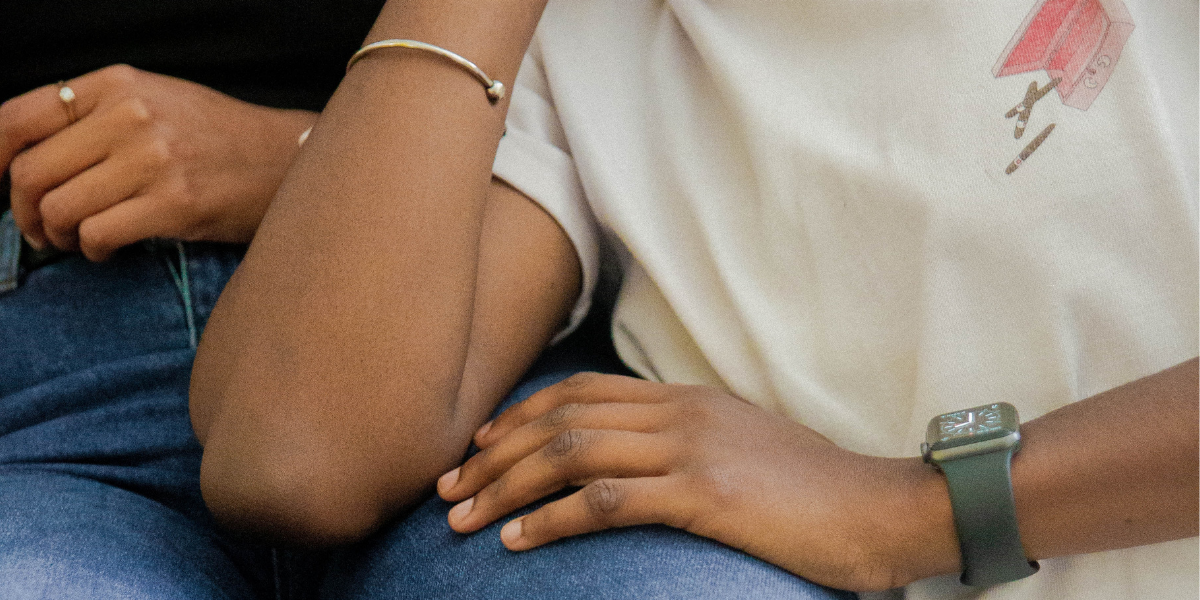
(985, 517)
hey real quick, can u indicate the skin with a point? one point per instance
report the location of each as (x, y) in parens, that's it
(370, 329)
(149, 156)
(1088, 478)
(392, 297)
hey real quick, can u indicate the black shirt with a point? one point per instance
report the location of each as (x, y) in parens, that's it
(281, 53)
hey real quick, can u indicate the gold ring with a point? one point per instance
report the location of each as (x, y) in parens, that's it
(67, 95)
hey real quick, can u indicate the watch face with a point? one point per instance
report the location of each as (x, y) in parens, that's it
(973, 421)
(972, 425)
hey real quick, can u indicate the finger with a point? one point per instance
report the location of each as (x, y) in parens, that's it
(489, 464)
(30, 118)
(61, 151)
(24, 121)
(97, 189)
(133, 220)
(40, 113)
(61, 156)
(581, 388)
(574, 457)
(601, 504)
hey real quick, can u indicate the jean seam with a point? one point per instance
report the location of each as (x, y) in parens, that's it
(10, 253)
(276, 575)
(181, 275)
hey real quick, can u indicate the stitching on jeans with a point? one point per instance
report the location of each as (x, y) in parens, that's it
(275, 573)
(183, 284)
(186, 290)
(10, 253)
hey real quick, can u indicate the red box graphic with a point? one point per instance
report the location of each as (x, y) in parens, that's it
(1077, 40)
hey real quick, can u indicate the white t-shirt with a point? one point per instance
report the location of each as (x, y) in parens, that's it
(822, 206)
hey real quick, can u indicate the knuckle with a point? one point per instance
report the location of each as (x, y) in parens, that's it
(92, 240)
(567, 444)
(580, 381)
(22, 173)
(8, 115)
(476, 465)
(604, 497)
(135, 110)
(184, 197)
(120, 75)
(158, 151)
(696, 393)
(55, 210)
(559, 416)
(696, 405)
(721, 488)
(491, 494)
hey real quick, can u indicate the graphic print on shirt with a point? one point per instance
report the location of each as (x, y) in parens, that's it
(1037, 141)
(1077, 42)
(1025, 108)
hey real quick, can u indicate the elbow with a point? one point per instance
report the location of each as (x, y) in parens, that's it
(296, 498)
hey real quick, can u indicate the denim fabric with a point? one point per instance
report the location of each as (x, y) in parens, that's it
(10, 252)
(99, 494)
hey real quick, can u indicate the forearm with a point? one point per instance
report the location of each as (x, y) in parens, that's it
(326, 389)
(1112, 471)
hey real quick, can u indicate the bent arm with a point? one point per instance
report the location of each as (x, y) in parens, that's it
(331, 388)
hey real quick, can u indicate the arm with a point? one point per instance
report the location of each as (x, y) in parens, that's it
(332, 383)
(1116, 470)
(1119, 469)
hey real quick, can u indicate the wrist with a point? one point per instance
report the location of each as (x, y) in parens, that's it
(278, 140)
(255, 169)
(282, 129)
(920, 539)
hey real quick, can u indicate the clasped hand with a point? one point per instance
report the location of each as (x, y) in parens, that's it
(695, 458)
(149, 156)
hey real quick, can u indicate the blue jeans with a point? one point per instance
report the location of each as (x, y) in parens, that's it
(99, 494)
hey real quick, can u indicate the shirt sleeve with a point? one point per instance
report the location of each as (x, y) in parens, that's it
(534, 158)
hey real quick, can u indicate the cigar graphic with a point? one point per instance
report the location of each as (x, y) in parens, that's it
(1037, 141)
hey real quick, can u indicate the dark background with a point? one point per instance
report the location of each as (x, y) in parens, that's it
(281, 53)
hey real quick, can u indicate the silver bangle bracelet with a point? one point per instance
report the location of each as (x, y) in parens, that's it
(495, 89)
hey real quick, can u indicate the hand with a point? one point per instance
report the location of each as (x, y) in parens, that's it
(149, 156)
(699, 459)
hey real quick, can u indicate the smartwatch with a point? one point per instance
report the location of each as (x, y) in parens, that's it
(973, 448)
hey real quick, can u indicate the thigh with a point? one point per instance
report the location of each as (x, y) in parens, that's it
(63, 536)
(71, 315)
(99, 470)
(421, 557)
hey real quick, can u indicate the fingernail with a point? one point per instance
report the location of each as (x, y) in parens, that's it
(36, 245)
(483, 430)
(447, 481)
(462, 509)
(511, 532)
